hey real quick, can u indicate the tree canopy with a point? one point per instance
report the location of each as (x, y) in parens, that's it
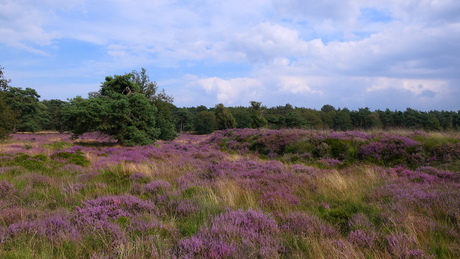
(224, 118)
(257, 119)
(120, 111)
(163, 102)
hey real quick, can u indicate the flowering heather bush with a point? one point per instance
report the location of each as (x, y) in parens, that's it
(366, 239)
(306, 146)
(392, 151)
(234, 234)
(298, 168)
(330, 162)
(112, 207)
(54, 227)
(157, 187)
(182, 208)
(138, 177)
(399, 245)
(350, 135)
(303, 224)
(122, 203)
(117, 155)
(441, 174)
(360, 221)
(6, 189)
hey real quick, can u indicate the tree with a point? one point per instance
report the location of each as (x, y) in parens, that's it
(373, 121)
(360, 118)
(224, 118)
(328, 114)
(120, 112)
(313, 117)
(4, 83)
(342, 120)
(205, 122)
(295, 120)
(162, 101)
(7, 119)
(257, 121)
(184, 120)
(413, 119)
(7, 116)
(242, 116)
(386, 117)
(26, 107)
(147, 87)
(54, 109)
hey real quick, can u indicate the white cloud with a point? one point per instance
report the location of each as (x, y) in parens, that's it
(266, 41)
(232, 91)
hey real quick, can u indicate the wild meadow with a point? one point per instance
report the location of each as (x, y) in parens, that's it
(240, 193)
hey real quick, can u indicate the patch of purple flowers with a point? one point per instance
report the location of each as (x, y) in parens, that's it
(157, 187)
(303, 224)
(112, 207)
(234, 234)
(6, 188)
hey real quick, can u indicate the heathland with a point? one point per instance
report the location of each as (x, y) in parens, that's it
(237, 193)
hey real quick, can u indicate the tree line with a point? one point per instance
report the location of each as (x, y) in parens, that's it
(132, 110)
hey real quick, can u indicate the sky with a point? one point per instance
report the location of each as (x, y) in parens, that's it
(346, 53)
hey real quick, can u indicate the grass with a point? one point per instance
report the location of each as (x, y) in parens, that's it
(313, 209)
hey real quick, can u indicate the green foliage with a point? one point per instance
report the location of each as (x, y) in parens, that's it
(300, 147)
(7, 116)
(26, 107)
(58, 145)
(224, 118)
(147, 87)
(342, 120)
(4, 83)
(295, 120)
(257, 121)
(242, 116)
(164, 119)
(328, 114)
(32, 163)
(287, 116)
(163, 102)
(205, 122)
(119, 112)
(120, 84)
(7, 119)
(184, 120)
(342, 212)
(55, 118)
(345, 150)
(76, 158)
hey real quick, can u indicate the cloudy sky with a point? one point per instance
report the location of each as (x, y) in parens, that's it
(348, 53)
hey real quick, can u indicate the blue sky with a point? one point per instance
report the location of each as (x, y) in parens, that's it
(389, 54)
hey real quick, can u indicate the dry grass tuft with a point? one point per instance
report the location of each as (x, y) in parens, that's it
(350, 186)
(234, 196)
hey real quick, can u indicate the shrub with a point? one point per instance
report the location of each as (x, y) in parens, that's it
(234, 234)
(393, 150)
(6, 189)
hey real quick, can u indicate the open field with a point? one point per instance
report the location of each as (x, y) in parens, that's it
(233, 194)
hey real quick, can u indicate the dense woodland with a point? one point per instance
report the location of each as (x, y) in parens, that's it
(122, 97)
